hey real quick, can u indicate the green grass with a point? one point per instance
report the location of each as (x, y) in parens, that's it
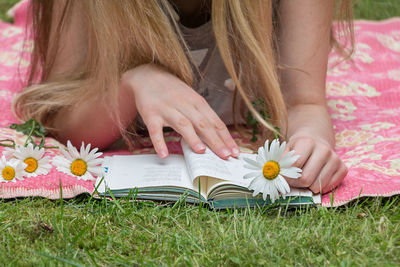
(35, 231)
(376, 9)
(83, 232)
(4, 6)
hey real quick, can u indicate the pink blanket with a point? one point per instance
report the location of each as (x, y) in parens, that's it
(363, 97)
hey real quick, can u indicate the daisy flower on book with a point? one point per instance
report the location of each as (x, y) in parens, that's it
(270, 167)
(83, 164)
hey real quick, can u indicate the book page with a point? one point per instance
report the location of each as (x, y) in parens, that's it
(126, 172)
(238, 171)
(209, 164)
(225, 173)
(100, 184)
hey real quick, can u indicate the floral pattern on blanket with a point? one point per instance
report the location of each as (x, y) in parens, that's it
(363, 97)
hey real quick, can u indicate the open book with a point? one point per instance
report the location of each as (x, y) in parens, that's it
(197, 177)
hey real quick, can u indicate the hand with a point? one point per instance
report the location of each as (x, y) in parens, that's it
(163, 100)
(322, 169)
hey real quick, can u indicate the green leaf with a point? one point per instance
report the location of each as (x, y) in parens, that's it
(29, 126)
(259, 105)
(42, 143)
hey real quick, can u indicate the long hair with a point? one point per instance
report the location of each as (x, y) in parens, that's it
(124, 34)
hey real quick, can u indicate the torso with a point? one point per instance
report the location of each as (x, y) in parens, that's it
(213, 82)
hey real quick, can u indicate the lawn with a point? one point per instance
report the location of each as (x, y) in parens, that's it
(84, 231)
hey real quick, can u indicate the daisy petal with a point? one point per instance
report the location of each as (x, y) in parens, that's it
(284, 183)
(74, 152)
(251, 167)
(274, 195)
(261, 155)
(292, 172)
(260, 159)
(39, 153)
(281, 148)
(3, 162)
(256, 182)
(96, 155)
(92, 154)
(257, 185)
(64, 170)
(44, 160)
(88, 149)
(67, 154)
(97, 171)
(95, 161)
(266, 151)
(251, 175)
(280, 185)
(277, 185)
(82, 152)
(266, 190)
(87, 176)
(288, 161)
(252, 162)
(274, 150)
(31, 174)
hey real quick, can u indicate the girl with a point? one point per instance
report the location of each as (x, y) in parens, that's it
(102, 69)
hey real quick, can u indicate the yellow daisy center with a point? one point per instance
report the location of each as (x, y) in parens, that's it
(8, 173)
(78, 167)
(32, 164)
(271, 170)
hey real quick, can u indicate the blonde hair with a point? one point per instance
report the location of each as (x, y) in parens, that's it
(140, 32)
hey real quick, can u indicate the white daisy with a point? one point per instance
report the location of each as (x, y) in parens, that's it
(11, 170)
(33, 157)
(83, 164)
(271, 167)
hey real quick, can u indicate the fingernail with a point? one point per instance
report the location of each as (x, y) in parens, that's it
(225, 153)
(235, 151)
(163, 154)
(200, 147)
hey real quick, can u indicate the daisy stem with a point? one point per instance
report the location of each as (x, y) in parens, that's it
(50, 147)
(7, 145)
(7, 140)
(30, 134)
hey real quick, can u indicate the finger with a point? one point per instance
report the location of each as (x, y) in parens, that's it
(208, 133)
(184, 126)
(336, 179)
(155, 128)
(210, 136)
(220, 128)
(325, 175)
(304, 149)
(212, 139)
(225, 135)
(312, 167)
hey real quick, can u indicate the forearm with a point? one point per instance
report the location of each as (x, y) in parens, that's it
(92, 121)
(304, 45)
(311, 120)
(304, 38)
